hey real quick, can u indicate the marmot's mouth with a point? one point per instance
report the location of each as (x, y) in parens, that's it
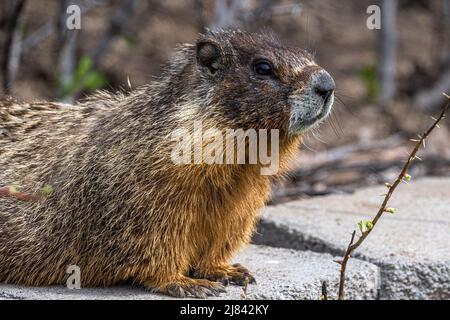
(327, 105)
(329, 99)
(308, 112)
(324, 111)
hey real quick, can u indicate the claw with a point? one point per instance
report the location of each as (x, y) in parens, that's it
(235, 274)
(195, 288)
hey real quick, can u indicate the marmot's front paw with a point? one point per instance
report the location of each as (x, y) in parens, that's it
(188, 287)
(235, 274)
(242, 275)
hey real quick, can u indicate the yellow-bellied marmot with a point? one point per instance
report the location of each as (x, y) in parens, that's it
(120, 209)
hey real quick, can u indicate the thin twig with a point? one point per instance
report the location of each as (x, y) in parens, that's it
(383, 208)
(244, 295)
(343, 264)
(324, 295)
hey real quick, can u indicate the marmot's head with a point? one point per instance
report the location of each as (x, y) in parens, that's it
(254, 81)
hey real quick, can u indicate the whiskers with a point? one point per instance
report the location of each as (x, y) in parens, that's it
(336, 125)
(305, 138)
(313, 133)
(340, 97)
(336, 112)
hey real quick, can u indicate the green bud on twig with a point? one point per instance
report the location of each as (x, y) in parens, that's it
(362, 226)
(390, 210)
(365, 226)
(407, 177)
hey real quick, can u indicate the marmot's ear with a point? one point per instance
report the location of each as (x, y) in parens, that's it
(209, 55)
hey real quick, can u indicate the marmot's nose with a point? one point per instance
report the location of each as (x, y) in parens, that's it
(323, 84)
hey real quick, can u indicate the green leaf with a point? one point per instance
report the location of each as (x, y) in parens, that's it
(94, 80)
(362, 226)
(84, 66)
(369, 77)
(390, 210)
(365, 226)
(129, 40)
(85, 78)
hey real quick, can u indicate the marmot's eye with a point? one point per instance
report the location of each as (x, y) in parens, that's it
(263, 68)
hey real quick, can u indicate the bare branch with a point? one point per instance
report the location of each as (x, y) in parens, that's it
(67, 49)
(227, 13)
(12, 47)
(388, 49)
(49, 28)
(343, 264)
(268, 9)
(117, 24)
(238, 12)
(353, 245)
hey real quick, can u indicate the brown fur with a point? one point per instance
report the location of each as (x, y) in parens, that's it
(120, 208)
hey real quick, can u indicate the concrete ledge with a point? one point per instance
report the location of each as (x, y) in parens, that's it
(280, 274)
(411, 247)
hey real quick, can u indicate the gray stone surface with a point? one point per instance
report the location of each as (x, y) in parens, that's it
(280, 274)
(411, 247)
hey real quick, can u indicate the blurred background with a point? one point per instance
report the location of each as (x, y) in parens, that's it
(389, 81)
